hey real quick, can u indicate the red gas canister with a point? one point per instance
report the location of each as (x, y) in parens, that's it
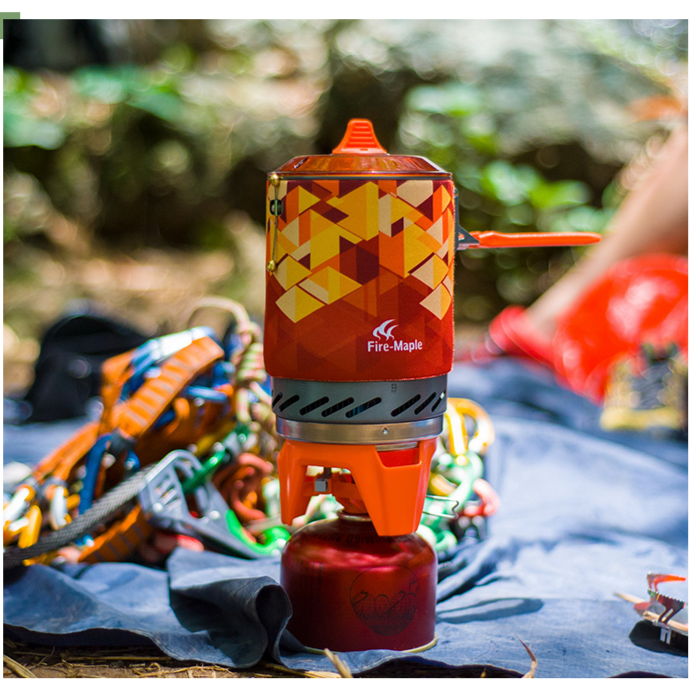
(353, 590)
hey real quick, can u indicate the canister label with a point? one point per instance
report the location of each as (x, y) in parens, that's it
(385, 598)
(363, 286)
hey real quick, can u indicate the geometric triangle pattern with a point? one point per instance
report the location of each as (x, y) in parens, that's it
(438, 301)
(431, 272)
(289, 272)
(296, 304)
(350, 253)
(329, 285)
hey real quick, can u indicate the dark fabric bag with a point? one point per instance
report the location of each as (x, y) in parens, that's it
(67, 371)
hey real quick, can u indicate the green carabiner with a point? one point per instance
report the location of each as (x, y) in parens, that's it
(275, 536)
(230, 448)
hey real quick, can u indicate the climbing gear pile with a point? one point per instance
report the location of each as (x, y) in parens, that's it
(184, 454)
(192, 394)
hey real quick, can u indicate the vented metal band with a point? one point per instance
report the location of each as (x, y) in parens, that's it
(359, 403)
(379, 434)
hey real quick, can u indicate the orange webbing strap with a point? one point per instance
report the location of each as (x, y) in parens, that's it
(154, 397)
(114, 374)
(64, 457)
(149, 402)
(121, 540)
(137, 414)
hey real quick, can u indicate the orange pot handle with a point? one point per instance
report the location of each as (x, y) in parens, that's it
(502, 240)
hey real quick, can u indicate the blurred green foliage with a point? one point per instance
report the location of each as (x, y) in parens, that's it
(143, 155)
(531, 118)
(498, 194)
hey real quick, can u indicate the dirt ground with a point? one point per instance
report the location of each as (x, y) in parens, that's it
(22, 660)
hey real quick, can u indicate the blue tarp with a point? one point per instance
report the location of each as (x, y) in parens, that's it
(584, 514)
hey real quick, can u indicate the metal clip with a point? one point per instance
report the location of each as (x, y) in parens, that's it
(13, 529)
(457, 440)
(58, 516)
(276, 210)
(455, 507)
(163, 500)
(19, 503)
(29, 534)
(484, 433)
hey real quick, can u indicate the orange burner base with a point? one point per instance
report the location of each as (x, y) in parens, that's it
(392, 485)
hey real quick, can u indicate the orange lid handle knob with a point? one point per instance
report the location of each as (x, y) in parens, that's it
(359, 139)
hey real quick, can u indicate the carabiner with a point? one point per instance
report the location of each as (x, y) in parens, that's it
(29, 534)
(474, 471)
(93, 464)
(488, 501)
(58, 516)
(204, 393)
(13, 529)
(457, 439)
(484, 433)
(20, 501)
(275, 536)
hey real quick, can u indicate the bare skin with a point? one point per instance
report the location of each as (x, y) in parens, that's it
(652, 219)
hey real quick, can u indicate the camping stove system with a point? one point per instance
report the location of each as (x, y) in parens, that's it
(358, 341)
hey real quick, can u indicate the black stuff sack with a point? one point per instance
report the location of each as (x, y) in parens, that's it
(67, 370)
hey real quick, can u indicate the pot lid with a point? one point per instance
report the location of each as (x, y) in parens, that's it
(359, 152)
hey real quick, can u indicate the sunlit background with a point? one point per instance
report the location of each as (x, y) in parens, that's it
(136, 152)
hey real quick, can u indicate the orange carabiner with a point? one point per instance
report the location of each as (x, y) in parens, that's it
(29, 534)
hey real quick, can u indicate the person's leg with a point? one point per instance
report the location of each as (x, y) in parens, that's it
(651, 219)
